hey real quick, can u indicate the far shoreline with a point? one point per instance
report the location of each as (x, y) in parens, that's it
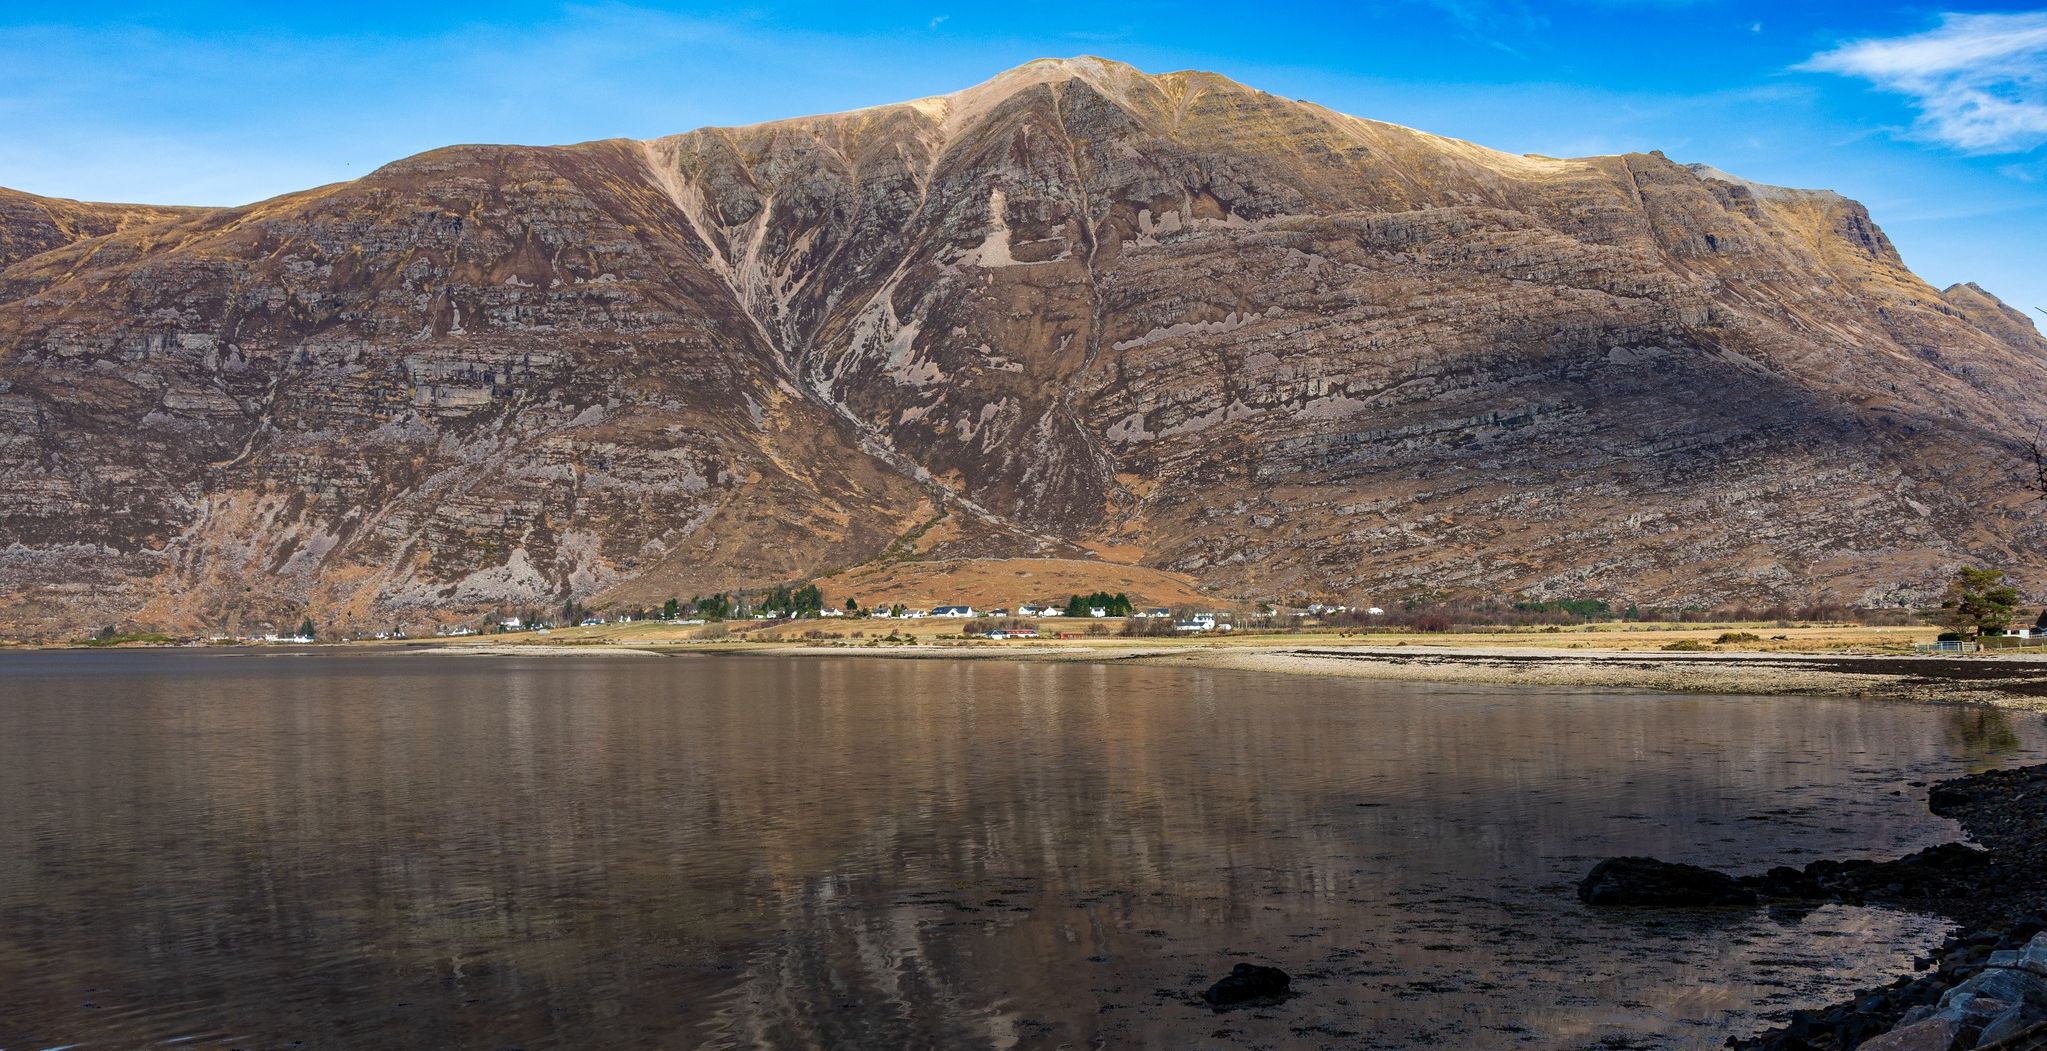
(2015, 682)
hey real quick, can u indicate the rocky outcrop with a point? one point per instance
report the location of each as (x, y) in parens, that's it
(1077, 308)
(1650, 882)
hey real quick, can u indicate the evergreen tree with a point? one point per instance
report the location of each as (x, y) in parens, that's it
(306, 628)
(1978, 600)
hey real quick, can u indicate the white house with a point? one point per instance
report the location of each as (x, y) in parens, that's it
(1199, 622)
(1097, 611)
(952, 611)
(1155, 613)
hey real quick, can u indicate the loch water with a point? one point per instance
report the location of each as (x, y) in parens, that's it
(269, 849)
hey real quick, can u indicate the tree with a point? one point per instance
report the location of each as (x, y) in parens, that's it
(1978, 601)
(852, 605)
(669, 609)
(1116, 605)
(2041, 624)
(306, 628)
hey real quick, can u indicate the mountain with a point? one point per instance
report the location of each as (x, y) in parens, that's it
(1076, 312)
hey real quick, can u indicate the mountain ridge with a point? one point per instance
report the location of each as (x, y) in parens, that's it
(1075, 308)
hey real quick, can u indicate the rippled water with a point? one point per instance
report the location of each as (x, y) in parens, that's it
(261, 850)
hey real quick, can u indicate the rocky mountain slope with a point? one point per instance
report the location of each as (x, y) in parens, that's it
(1077, 310)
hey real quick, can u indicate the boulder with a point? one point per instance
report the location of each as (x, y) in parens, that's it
(1248, 981)
(1933, 1034)
(2016, 1020)
(1647, 881)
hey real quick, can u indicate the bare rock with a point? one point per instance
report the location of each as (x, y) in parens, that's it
(1647, 881)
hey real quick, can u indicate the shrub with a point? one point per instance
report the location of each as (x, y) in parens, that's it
(1738, 636)
(1687, 646)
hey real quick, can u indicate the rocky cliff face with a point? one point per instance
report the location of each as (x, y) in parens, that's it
(1169, 319)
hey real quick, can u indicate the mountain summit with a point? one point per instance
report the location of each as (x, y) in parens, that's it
(1077, 311)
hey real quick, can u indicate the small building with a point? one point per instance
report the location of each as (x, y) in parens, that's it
(1154, 613)
(1013, 633)
(1198, 622)
(952, 611)
(998, 612)
(1097, 611)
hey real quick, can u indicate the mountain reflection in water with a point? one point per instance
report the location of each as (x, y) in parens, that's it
(254, 850)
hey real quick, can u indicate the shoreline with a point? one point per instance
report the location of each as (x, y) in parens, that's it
(2013, 682)
(2016, 681)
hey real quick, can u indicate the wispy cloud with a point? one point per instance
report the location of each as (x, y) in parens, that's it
(1979, 81)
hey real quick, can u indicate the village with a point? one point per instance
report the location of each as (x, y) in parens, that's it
(1027, 620)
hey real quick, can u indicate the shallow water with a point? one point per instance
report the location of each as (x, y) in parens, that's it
(261, 850)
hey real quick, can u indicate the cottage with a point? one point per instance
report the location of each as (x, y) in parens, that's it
(1155, 613)
(1013, 633)
(1000, 612)
(1097, 611)
(952, 611)
(1197, 622)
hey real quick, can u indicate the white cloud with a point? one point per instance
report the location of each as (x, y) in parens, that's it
(1979, 81)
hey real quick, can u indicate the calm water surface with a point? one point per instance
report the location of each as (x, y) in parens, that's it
(260, 850)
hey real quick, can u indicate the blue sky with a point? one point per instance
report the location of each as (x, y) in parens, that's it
(1934, 116)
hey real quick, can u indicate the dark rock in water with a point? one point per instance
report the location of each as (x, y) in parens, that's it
(1946, 796)
(1647, 881)
(1785, 882)
(1248, 981)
